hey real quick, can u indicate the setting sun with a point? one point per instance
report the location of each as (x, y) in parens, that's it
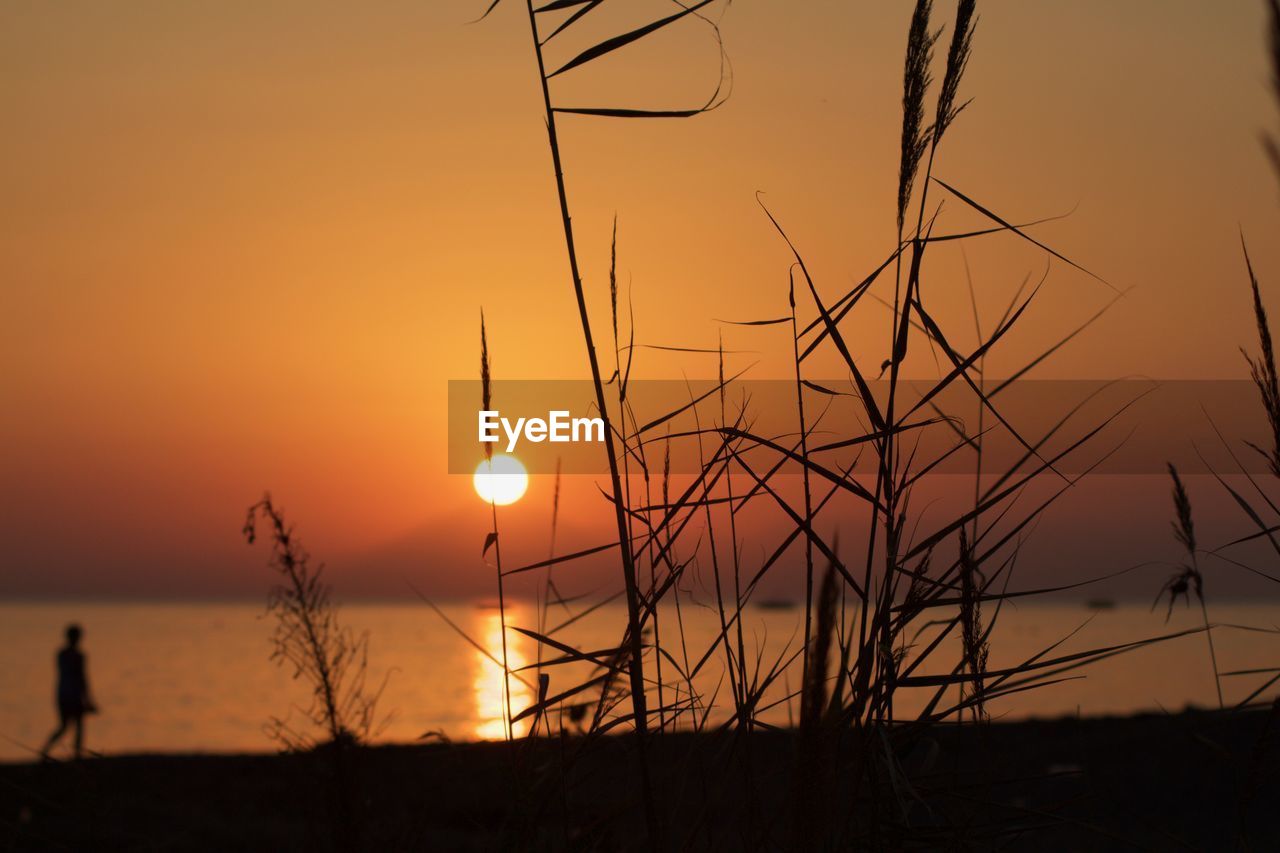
(501, 480)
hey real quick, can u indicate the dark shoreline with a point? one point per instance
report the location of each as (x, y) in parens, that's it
(1193, 780)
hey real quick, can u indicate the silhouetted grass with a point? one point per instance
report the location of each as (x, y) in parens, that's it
(917, 607)
(492, 539)
(1188, 579)
(331, 658)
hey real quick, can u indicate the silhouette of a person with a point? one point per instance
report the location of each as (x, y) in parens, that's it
(73, 692)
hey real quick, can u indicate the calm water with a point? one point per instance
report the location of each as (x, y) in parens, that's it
(196, 677)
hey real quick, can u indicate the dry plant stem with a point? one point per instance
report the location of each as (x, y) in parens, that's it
(1190, 578)
(624, 407)
(737, 566)
(746, 717)
(544, 605)
(1213, 655)
(652, 548)
(669, 548)
(919, 54)
(502, 624)
(808, 495)
(319, 652)
(486, 402)
(636, 662)
(722, 639)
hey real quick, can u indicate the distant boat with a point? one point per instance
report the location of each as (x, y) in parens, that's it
(775, 604)
(1100, 604)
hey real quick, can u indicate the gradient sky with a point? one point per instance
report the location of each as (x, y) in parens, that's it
(244, 245)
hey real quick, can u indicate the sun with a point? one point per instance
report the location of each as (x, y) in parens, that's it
(501, 480)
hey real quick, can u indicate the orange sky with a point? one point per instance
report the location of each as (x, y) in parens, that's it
(245, 245)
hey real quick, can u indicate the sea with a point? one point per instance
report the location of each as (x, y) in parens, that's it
(198, 677)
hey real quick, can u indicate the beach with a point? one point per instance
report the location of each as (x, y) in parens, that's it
(1196, 780)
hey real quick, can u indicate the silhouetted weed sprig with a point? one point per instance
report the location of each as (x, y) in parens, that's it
(330, 657)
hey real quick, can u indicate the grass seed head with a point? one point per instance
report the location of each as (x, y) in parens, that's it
(915, 84)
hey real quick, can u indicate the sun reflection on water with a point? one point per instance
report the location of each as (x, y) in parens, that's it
(487, 681)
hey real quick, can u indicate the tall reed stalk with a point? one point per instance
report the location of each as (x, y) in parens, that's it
(493, 540)
(1189, 579)
(635, 661)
